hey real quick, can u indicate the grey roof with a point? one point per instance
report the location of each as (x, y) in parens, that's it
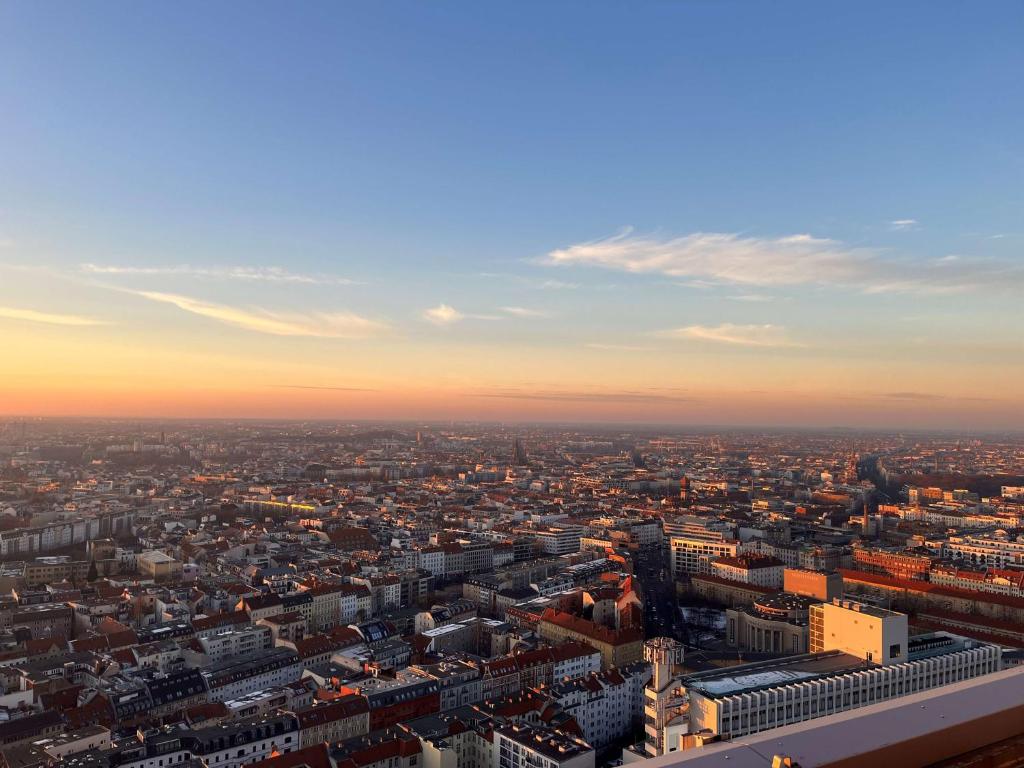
(921, 717)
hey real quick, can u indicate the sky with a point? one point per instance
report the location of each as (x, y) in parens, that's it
(794, 213)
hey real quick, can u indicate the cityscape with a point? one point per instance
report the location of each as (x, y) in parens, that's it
(574, 384)
(474, 595)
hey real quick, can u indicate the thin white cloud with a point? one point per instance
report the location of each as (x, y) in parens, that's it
(328, 325)
(530, 282)
(557, 285)
(702, 259)
(766, 335)
(252, 274)
(50, 318)
(751, 297)
(443, 314)
(899, 224)
(525, 312)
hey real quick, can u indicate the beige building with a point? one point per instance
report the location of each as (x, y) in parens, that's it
(869, 633)
(618, 647)
(158, 566)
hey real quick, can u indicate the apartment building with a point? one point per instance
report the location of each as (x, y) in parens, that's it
(761, 571)
(618, 647)
(527, 746)
(247, 641)
(992, 551)
(558, 539)
(694, 553)
(607, 705)
(338, 720)
(235, 677)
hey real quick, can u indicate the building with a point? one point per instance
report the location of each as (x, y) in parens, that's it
(158, 566)
(394, 700)
(820, 586)
(607, 705)
(895, 563)
(247, 641)
(44, 620)
(618, 647)
(975, 722)
(338, 720)
(861, 630)
(664, 703)
(776, 623)
(694, 553)
(761, 571)
(234, 677)
(866, 657)
(528, 746)
(558, 539)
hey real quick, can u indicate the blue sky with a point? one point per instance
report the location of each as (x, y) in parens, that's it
(160, 160)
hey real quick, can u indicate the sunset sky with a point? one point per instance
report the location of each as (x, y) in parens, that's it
(691, 212)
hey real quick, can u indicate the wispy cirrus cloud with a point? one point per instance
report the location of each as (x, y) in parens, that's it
(324, 389)
(751, 297)
(327, 325)
(525, 312)
(899, 224)
(252, 274)
(445, 314)
(627, 396)
(928, 397)
(765, 335)
(713, 258)
(912, 396)
(48, 318)
(531, 282)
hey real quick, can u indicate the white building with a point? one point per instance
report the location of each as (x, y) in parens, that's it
(606, 705)
(526, 746)
(995, 552)
(693, 553)
(759, 571)
(246, 641)
(558, 539)
(864, 656)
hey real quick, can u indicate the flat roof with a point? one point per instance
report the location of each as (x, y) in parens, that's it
(844, 737)
(769, 674)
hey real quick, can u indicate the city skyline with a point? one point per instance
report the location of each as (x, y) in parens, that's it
(683, 214)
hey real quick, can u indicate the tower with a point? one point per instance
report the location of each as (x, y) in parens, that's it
(665, 710)
(519, 458)
(684, 489)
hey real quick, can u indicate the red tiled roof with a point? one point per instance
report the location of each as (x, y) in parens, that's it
(936, 589)
(349, 705)
(315, 756)
(225, 619)
(591, 630)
